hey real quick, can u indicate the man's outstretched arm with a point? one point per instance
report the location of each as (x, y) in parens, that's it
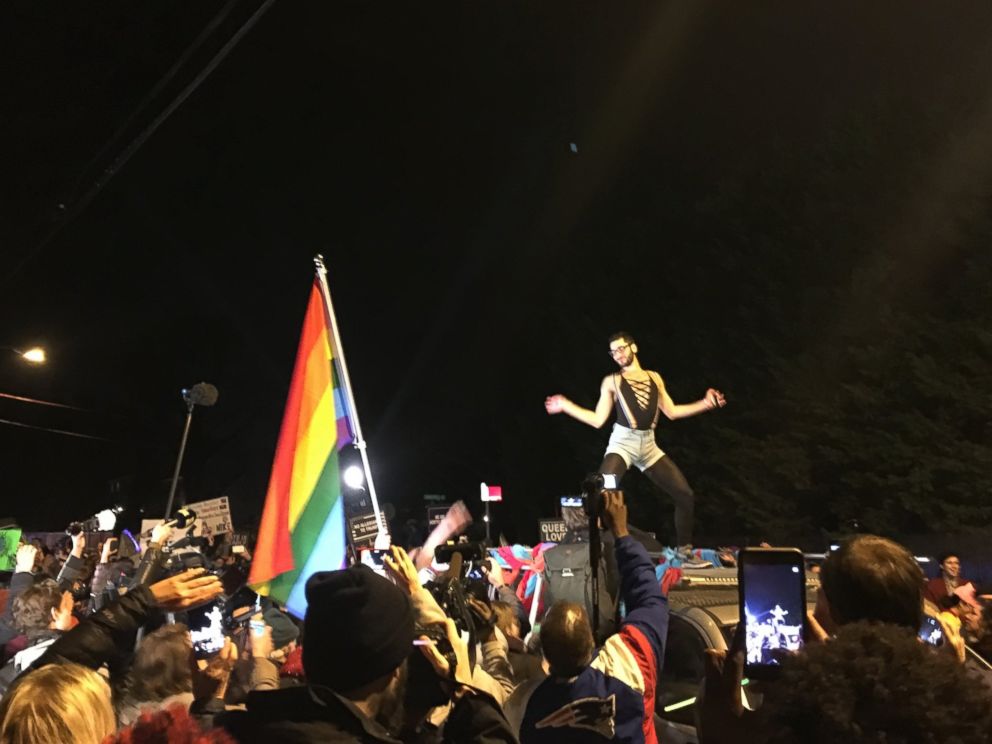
(672, 410)
(560, 404)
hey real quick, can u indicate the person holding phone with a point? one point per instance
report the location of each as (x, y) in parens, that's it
(639, 396)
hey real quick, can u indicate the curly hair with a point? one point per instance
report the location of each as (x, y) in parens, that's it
(172, 725)
(876, 683)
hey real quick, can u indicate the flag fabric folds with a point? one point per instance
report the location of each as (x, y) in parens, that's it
(303, 523)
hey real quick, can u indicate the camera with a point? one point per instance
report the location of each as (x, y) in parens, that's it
(102, 521)
(424, 689)
(593, 488)
(469, 551)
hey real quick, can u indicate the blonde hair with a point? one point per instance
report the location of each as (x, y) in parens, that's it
(60, 704)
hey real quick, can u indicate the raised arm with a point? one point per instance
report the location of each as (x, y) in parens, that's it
(560, 404)
(713, 399)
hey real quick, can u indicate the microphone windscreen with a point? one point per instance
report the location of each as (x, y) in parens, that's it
(185, 517)
(203, 394)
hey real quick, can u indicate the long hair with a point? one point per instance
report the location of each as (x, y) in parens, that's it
(57, 704)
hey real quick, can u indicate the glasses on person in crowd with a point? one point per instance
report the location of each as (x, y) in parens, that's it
(619, 350)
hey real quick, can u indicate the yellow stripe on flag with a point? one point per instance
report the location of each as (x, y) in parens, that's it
(312, 450)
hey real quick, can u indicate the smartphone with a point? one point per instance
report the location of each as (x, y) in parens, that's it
(206, 629)
(610, 482)
(772, 586)
(931, 632)
(574, 502)
(233, 578)
(373, 559)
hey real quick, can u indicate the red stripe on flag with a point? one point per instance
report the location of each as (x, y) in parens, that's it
(273, 551)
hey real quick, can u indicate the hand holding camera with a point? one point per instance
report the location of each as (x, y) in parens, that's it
(461, 674)
(615, 513)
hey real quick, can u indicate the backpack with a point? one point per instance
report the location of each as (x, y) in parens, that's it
(568, 576)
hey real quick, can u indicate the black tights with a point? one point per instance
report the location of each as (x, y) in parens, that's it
(666, 475)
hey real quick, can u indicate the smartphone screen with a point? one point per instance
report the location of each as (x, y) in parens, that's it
(931, 632)
(572, 501)
(373, 559)
(772, 583)
(609, 481)
(206, 629)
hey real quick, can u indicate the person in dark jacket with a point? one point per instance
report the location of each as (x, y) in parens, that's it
(606, 695)
(358, 634)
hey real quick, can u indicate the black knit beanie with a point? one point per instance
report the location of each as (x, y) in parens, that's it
(358, 627)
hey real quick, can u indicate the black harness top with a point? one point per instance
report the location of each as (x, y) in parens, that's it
(637, 402)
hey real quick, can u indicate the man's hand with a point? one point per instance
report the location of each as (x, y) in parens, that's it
(261, 643)
(715, 398)
(109, 545)
(211, 677)
(722, 713)
(615, 513)
(25, 558)
(402, 569)
(463, 675)
(483, 613)
(78, 544)
(555, 404)
(493, 572)
(185, 590)
(160, 533)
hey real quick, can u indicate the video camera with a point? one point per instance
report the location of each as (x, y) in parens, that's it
(593, 488)
(102, 521)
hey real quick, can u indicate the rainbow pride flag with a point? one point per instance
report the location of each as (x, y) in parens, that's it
(303, 524)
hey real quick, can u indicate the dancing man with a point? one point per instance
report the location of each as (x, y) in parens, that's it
(639, 395)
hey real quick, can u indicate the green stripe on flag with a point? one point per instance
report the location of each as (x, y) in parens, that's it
(317, 511)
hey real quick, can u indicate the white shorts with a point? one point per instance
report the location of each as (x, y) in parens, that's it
(636, 446)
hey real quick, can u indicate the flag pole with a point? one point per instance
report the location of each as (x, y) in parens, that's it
(382, 537)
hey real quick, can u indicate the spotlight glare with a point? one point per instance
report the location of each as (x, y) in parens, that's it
(354, 477)
(35, 355)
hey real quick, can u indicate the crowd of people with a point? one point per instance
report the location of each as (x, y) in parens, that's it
(103, 648)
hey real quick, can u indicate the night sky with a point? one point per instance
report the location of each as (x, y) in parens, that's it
(477, 260)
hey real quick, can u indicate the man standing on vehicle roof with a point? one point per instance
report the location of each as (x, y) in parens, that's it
(639, 395)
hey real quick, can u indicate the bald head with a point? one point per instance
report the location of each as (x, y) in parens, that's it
(566, 638)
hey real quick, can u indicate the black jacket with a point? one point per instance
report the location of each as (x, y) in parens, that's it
(105, 637)
(311, 713)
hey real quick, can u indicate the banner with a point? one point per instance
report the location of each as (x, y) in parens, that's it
(9, 542)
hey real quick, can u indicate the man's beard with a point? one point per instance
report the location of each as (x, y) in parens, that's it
(391, 709)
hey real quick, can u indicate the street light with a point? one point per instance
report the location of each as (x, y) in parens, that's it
(354, 477)
(34, 355)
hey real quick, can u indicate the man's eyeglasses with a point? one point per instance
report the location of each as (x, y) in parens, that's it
(619, 350)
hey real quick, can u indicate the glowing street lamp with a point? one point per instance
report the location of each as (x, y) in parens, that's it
(34, 355)
(354, 477)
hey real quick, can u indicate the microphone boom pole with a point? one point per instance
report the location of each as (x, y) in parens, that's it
(203, 394)
(179, 459)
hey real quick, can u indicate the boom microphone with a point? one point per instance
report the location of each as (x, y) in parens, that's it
(201, 394)
(184, 518)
